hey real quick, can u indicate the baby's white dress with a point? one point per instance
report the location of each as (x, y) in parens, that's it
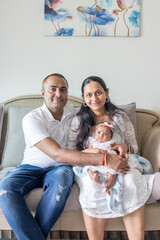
(136, 187)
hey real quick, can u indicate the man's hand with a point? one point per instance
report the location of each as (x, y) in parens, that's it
(117, 162)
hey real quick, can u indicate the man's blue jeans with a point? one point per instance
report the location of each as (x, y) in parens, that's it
(56, 183)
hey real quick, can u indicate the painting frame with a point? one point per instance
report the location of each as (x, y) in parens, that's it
(92, 18)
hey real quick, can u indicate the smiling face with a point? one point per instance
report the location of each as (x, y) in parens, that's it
(103, 134)
(95, 96)
(55, 93)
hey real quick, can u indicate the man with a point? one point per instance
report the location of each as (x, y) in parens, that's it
(45, 164)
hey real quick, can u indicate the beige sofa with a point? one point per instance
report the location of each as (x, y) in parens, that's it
(147, 124)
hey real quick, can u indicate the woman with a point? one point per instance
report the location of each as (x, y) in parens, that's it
(97, 108)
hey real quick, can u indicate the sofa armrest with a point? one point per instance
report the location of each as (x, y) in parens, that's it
(150, 147)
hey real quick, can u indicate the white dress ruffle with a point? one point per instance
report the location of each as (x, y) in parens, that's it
(129, 192)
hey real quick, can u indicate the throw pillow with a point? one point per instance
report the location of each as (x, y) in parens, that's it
(14, 142)
(130, 110)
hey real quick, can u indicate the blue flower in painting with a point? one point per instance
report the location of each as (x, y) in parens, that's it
(57, 16)
(101, 18)
(65, 32)
(134, 18)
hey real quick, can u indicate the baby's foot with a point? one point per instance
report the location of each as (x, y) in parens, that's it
(94, 176)
(106, 190)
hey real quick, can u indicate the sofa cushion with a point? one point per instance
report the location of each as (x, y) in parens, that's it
(1, 118)
(14, 142)
(33, 198)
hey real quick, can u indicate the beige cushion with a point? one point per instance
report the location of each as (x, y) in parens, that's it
(14, 143)
(130, 109)
(33, 198)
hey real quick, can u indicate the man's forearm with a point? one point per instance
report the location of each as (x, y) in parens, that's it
(51, 148)
(78, 158)
(71, 157)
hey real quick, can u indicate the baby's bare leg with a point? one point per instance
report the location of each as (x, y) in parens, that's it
(110, 182)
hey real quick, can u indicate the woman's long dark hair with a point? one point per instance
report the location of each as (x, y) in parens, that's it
(86, 116)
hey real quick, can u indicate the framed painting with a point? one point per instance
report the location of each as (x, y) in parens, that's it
(92, 18)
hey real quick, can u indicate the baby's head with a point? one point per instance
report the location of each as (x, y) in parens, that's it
(103, 132)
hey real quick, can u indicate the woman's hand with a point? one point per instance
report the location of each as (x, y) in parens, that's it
(121, 150)
(94, 150)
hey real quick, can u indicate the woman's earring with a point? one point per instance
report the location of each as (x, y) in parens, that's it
(84, 104)
(107, 100)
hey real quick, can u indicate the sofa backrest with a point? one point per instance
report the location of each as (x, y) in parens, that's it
(145, 120)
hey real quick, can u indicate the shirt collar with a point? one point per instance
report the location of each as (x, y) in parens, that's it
(48, 115)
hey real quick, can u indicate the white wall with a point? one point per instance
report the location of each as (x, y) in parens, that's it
(130, 66)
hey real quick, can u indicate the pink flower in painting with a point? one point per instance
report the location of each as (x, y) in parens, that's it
(122, 4)
(54, 4)
(115, 12)
(125, 4)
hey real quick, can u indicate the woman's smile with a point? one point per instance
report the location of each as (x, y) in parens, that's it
(95, 103)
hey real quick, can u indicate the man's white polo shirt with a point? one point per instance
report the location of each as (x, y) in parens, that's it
(40, 124)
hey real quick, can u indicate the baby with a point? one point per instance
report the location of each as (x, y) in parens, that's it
(103, 140)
